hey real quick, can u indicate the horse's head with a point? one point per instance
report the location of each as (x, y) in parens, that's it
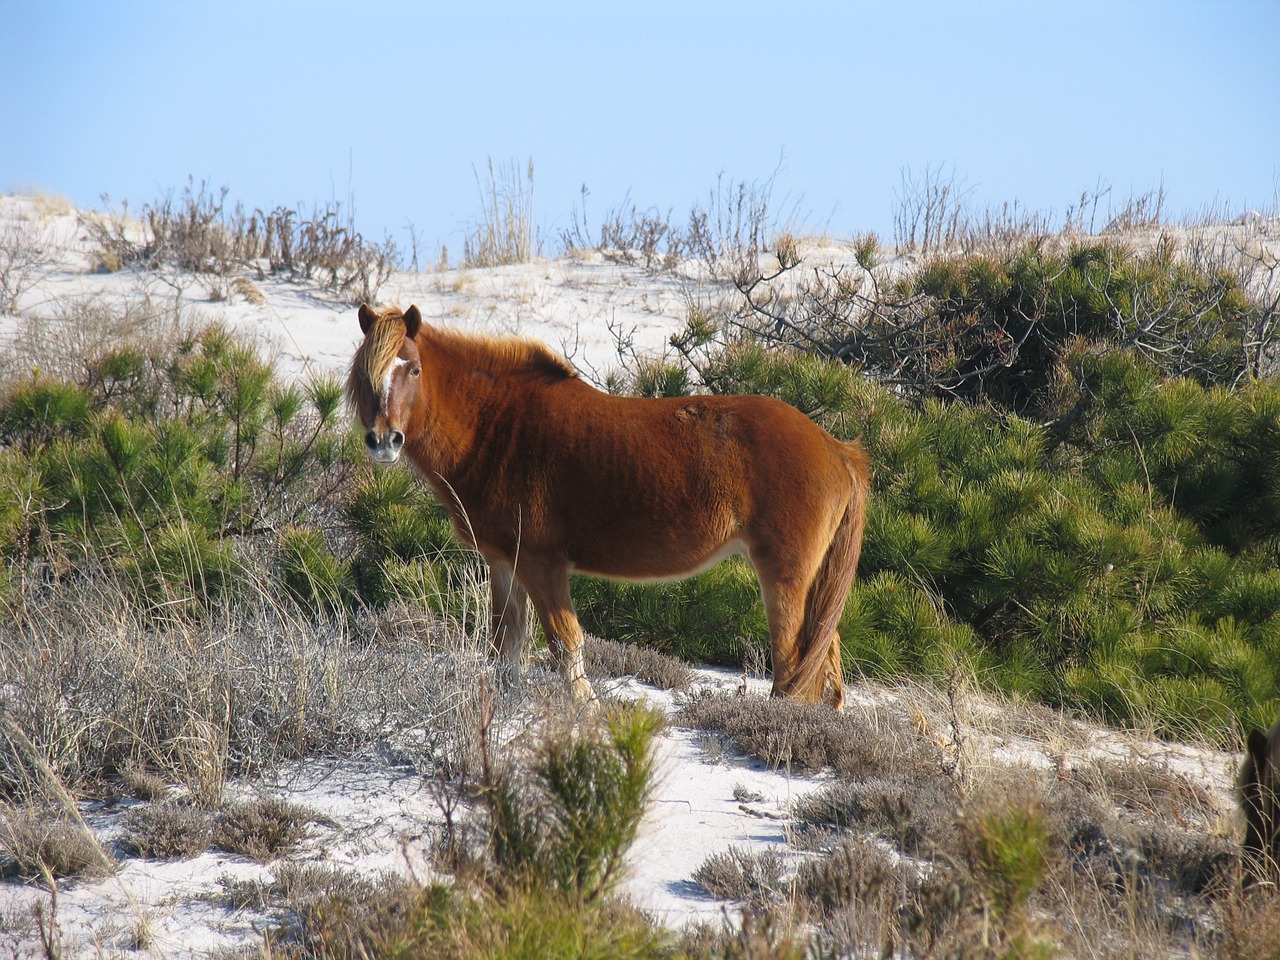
(385, 375)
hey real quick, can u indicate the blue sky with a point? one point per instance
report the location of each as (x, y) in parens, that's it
(394, 103)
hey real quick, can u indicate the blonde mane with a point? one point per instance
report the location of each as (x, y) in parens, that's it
(376, 354)
(499, 356)
(505, 355)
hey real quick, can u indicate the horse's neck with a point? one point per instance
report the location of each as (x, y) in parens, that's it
(454, 398)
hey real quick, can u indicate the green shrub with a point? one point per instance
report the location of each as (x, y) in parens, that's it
(568, 827)
(313, 576)
(1042, 563)
(708, 618)
(39, 410)
(160, 454)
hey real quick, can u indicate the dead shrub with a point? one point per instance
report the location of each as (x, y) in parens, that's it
(917, 816)
(338, 912)
(262, 828)
(200, 233)
(808, 737)
(608, 659)
(856, 870)
(739, 874)
(168, 830)
(29, 252)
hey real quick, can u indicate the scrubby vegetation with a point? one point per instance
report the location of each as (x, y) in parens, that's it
(1075, 442)
(199, 232)
(1075, 476)
(919, 845)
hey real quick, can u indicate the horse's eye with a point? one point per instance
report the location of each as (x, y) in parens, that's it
(416, 371)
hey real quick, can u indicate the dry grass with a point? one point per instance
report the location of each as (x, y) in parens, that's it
(927, 843)
(1250, 925)
(98, 686)
(607, 659)
(39, 843)
(262, 828)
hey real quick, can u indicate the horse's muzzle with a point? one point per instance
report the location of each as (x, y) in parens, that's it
(384, 449)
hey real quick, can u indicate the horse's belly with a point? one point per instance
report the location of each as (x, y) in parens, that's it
(656, 565)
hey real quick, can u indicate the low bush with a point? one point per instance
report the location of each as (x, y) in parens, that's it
(262, 828)
(168, 830)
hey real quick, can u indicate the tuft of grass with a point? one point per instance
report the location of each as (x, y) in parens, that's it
(143, 783)
(37, 843)
(200, 232)
(809, 737)
(505, 231)
(262, 828)
(99, 686)
(560, 815)
(168, 830)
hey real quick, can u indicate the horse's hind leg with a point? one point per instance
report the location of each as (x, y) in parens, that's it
(806, 664)
(507, 617)
(548, 586)
(784, 584)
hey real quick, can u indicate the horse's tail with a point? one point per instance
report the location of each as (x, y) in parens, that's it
(830, 588)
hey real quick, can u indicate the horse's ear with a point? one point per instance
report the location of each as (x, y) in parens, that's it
(412, 322)
(367, 317)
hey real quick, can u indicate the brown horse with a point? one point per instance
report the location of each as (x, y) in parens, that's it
(1259, 785)
(545, 475)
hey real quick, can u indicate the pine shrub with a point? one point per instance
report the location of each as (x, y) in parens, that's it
(566, 823)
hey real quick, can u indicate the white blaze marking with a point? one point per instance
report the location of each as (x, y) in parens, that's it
(386, 383)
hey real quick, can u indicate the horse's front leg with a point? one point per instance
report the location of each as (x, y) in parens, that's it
(548, 586)
(507, 618)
